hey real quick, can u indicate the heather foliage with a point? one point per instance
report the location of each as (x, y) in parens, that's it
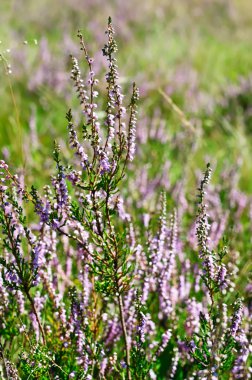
(109, 274)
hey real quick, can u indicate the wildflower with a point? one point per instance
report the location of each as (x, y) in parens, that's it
(104, 163)
(237, 318)
(132, 123)
(164, 341)
(222, 277)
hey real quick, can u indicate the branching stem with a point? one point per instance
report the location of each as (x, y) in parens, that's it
(127, 348)
(36, 315)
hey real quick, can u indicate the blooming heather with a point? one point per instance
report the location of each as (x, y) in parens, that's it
(107, 273)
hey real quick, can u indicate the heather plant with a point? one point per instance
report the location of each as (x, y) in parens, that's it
(93, 289)
(214, 344)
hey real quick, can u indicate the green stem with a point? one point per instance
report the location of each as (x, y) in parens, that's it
(36, 315)
(127, 348)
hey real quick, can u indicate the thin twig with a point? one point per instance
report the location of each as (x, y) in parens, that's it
(127, 348)
(36, 315)
(178, 111)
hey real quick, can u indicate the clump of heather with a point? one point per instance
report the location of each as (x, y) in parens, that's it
(92, 289)
(216, 343)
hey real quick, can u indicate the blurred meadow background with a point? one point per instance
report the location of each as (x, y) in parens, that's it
(193, 64)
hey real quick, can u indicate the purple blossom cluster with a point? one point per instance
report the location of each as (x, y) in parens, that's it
(92, 289)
